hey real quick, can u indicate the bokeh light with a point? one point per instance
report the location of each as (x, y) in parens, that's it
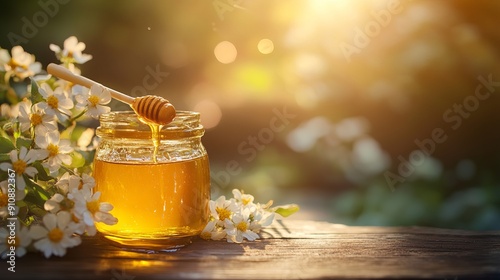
(210, 113)
(225, 52)
(265, 46)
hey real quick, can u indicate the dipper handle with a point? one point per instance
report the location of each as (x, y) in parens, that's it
(63, 73)
(152, 108)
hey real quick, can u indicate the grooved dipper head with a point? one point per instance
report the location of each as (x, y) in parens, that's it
(154, 109)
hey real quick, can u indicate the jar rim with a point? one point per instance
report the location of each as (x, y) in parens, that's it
(126, 124)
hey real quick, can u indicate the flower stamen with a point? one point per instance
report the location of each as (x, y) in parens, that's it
(56, 235)
(245, 201)
(35, 119)
(19, 166)
(223, 213)
(242, 226)
(93, 206)
(93, 100)
(53, 102)
(53, 150)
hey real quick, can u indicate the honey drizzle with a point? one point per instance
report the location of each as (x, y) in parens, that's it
(155, 136)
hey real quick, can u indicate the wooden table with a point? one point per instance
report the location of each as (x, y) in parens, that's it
(289, 249)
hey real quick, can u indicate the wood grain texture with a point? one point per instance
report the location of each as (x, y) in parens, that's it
(288, 250)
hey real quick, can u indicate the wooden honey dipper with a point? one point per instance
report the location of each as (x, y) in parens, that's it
(152, 108)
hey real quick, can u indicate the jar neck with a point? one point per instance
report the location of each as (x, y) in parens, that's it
(125, 124)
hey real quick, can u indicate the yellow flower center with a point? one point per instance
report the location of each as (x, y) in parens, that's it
(93, 206)
(19, 166)
(53, 150)
(245, 201)
(206, 235)
(93, 100)
(4, 199)
(13, 64)
(53, 102)
(242, 226)
(55, 235)
(35, 119)
(223, 213)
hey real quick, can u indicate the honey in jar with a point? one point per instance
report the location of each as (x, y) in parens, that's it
(159, 189)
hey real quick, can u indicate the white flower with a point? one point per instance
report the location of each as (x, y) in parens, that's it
(72, 51)
(90, 209)
(20, 241)
(4, 198)
(82, 228)
(93, 100)
(32, 116)
(240, 227)
(87, 141)
(56, 102)
(56, 234)
(260, 218)
(21, 64)
(9, 111)
(4, 59)
(244, 199)
(58, 202)
(20, 164)
(68, 183)
(86, 181)
(40, 78)
(222, 209)
(54, 150)
(212, 231)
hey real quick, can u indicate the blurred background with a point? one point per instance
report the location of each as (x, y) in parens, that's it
(373, 112)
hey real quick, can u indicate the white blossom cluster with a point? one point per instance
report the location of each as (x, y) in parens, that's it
(54, 201)
(238, 218)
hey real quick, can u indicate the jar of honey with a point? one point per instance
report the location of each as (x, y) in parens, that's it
(158, 182)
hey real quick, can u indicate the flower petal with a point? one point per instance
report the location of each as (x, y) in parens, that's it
(63, 219)
(30, 171)
(37, 232)
(50, 221)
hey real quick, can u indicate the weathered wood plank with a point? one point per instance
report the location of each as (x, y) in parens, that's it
(288, 250)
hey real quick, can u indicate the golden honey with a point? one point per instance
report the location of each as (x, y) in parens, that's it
(160, 192)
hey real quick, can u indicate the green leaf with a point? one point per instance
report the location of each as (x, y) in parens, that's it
(66, 133)
(6, 145)
(40, 194)
(77, 160)
(37, 211)
(4, 157)
(35, 96)
(23, 210)
(23, 142)
(286, 210)
(42, 173)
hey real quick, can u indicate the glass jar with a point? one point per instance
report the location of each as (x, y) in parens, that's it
(160, 203)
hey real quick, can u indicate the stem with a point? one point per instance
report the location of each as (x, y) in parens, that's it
(78, 116)
(69, 170)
